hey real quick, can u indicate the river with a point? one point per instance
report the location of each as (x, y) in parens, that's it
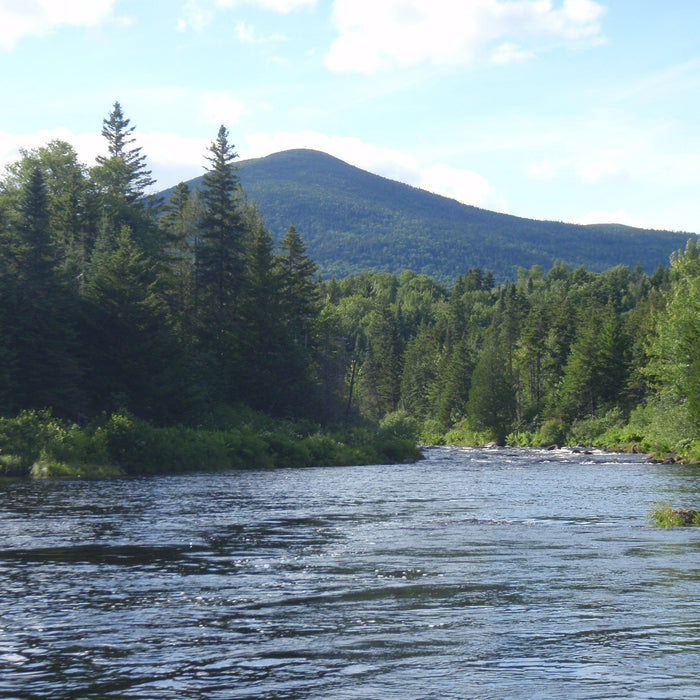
(475, 573)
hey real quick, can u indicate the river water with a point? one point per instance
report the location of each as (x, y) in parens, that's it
(474, 573)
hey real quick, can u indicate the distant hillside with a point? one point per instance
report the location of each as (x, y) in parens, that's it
(352, 220)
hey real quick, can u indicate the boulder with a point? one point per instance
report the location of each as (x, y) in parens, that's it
(687, 515)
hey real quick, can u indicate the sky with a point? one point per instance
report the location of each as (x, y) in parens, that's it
(570, 110)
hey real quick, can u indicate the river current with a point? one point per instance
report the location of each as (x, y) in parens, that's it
(475, 573)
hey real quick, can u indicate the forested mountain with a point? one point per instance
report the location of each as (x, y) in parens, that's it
(353, 221)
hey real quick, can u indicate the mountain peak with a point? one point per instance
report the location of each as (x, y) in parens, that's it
(353, 220)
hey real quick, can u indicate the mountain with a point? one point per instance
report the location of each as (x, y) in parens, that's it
(352, 220)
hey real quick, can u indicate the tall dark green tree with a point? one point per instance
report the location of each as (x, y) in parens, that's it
(37, 314)
(180, 223)
(491, 405)
(220, 263)
(122, 178)
(124, 171)
(134, 360)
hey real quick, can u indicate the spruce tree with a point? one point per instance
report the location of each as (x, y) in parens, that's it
(122, 178)
(124, 170)
(220, 264)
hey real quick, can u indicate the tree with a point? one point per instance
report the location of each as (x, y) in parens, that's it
(134, 359)
(37, 311)
(124, 171)
(220, 260)
(674, 347)
(180, 223)
(122, 178)
(491, 403)
(299, 289)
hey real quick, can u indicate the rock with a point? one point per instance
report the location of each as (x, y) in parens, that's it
(687, 515)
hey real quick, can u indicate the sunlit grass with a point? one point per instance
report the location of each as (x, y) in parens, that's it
(665, 515)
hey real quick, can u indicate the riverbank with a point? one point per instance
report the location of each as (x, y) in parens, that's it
(37, 445)
(595, 433)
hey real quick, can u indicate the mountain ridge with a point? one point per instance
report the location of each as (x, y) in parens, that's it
(352, 221)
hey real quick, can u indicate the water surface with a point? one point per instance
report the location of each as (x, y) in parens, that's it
(472, 574)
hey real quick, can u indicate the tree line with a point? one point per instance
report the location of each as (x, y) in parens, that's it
(178, 311)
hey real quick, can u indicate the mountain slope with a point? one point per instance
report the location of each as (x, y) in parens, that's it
(352, 220)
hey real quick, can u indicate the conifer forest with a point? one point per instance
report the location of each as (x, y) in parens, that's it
(124, 317)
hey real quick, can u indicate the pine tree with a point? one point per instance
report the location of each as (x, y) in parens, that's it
(220, 260)
(491, 403)
(134, 359)
(124, 170)
(38, 312)
(122, 178)
(299, 289)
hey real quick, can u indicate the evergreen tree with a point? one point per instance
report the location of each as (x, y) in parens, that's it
(38, 312)
(299, 289)
(134, 359)
(122, 178)
(674, 347)
(180, 223)
(124, 171)
(380, 375)
(491, 403)
(220, 264)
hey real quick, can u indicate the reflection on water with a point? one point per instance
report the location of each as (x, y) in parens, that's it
(472, 574)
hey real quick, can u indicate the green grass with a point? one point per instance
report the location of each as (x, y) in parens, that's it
(664, 515)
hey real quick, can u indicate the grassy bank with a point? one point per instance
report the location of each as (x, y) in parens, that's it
(35, 444)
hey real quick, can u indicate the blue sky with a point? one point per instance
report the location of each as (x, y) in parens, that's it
(572, 110)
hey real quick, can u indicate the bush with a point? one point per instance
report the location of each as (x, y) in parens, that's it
(587, 431)
(398, 425)
(551, 432)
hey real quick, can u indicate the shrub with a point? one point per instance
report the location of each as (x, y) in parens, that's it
(398, 425)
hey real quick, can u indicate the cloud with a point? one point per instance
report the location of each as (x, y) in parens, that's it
(196, 15)
(621, 216)
(463, 185)
(603, 165)
(22, 18)
(247, 34)
(283, 6)
(377, 34)
(220, 107)
(199, 14)
(547, 169)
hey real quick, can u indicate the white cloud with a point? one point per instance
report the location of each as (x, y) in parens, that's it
(22, 18)
(621, 216)
(510, 53)
(248, 35)
(196, 15)
(199, 14)
(220, 107)
(283, 6)
(602, 165)
(547, 169)
(463, 185)
(375, 34)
